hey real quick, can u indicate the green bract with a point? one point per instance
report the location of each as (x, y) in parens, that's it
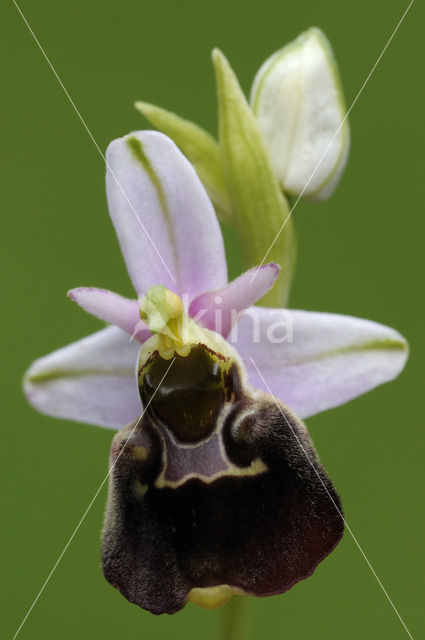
(261, 210)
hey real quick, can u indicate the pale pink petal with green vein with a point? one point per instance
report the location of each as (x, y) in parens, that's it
(218, 310)
(165, 222)
(325, 360)
(113, 309)
(92, 380)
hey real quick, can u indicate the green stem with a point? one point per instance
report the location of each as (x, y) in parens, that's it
(235, 618)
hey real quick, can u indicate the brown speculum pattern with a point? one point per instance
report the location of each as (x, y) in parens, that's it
(217, 484)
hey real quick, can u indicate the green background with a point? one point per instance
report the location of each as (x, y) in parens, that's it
(361, 253)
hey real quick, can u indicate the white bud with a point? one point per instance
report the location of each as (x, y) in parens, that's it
(298, 101)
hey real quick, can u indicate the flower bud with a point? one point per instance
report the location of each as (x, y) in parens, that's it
(299, 104)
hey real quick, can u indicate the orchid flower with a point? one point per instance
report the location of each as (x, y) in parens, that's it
(215, 486)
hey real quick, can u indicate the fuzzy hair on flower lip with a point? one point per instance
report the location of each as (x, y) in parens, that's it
(201, 515)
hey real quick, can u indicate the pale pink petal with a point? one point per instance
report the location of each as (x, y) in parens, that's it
(112, 308)
(218, 310)
(165, 222)
(92, 380)
(315, 361)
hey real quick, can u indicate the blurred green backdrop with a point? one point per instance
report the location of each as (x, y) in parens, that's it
(360, 253)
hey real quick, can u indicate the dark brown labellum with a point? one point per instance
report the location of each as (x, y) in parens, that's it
(236, 498)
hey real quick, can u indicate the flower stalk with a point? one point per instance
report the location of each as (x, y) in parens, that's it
(235, 619)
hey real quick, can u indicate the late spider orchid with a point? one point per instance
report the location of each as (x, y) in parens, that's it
(215, 485)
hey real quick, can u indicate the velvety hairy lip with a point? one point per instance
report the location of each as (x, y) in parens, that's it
(258, 533)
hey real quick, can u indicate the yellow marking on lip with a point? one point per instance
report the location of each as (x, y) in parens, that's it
(211, 597)
(140, 453)
(256, 467)
(140, 488)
